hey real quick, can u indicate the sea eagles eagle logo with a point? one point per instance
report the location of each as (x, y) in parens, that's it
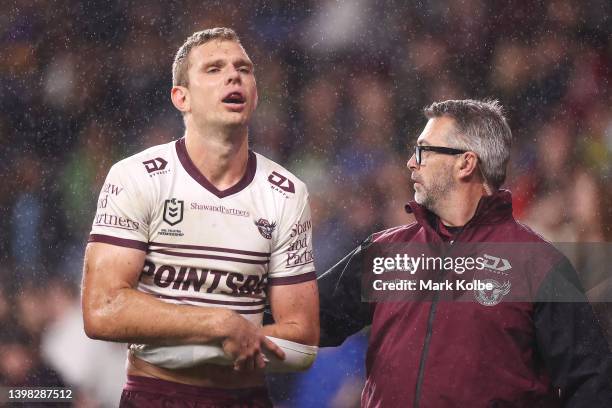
(173, 211)
(265, 228)
(493, 296)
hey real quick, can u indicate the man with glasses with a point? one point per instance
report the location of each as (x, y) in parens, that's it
(424, 352)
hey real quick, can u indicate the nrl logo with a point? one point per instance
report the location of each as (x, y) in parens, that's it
(493, 296)
(173, 211)
(265, 228)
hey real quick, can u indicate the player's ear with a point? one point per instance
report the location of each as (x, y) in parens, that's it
(180, 98)
(467, 164)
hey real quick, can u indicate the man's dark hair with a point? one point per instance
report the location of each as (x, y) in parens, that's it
(481, 127)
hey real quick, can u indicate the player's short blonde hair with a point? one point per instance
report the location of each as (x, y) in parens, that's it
(180, 66)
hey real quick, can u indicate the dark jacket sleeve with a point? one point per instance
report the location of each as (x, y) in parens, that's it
(342, 313)
(571, 342)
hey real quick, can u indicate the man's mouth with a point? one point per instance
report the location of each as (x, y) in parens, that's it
(234, 98)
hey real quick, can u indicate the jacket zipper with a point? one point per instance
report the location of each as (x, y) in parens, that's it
(428, 333)
(421, 374)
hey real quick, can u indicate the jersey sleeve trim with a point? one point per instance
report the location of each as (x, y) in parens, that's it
(128, 243)
(292, 280)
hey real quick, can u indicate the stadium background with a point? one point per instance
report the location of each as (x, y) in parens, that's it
(342, 84)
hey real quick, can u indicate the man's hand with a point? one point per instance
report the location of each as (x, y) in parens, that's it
(246, 343)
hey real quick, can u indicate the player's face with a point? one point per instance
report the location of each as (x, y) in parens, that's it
(433, 178)
(222, 84)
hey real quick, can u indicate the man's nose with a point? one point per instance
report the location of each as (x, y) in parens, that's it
(412, 164)
(233, 76)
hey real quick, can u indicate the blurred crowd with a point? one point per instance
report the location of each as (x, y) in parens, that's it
(342, 85)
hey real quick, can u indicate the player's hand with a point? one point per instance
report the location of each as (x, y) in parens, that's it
(245, 343)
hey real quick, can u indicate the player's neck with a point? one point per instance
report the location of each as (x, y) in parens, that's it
(222, 159)
(460, 205)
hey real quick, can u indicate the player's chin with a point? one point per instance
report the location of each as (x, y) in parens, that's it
(419, 197)
(235, 120)
(242, 116)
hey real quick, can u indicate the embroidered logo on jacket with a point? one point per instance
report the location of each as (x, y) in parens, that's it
(493, 296)
(496, 264)
(265, 228)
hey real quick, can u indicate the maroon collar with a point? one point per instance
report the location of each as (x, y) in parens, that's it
(192, 170)
(490, 210)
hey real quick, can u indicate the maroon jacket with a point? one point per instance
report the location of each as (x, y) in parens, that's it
(434, 353)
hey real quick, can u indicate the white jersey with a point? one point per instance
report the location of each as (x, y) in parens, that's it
(206, 247)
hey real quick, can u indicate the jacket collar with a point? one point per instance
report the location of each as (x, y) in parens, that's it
(490, 210)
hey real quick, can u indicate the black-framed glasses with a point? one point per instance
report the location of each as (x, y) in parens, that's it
(418, 151)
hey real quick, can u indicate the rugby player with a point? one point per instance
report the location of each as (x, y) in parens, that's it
(193, 237)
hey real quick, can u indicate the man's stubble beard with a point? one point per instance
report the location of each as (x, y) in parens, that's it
(438, 189)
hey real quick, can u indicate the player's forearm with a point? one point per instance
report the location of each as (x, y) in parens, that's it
(295, 309)
(127, 315)
(299, 332)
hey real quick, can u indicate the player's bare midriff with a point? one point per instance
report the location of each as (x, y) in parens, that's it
(204, 375)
